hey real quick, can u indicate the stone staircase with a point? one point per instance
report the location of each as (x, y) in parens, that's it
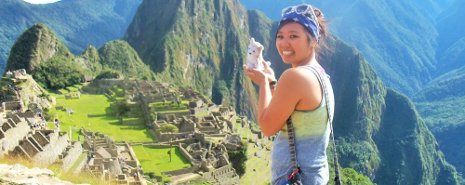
(42, 147)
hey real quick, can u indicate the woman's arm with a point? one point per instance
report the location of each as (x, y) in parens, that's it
(274, 109)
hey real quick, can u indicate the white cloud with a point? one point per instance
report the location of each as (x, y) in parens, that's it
(41, 1)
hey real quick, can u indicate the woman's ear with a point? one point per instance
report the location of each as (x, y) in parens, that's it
(313, 43)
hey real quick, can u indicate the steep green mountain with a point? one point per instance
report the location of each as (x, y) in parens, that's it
(379, 133)
(451, 38)
(90, 59)
(196, 43)
(118, 55)
(44, 56)
(77, 23)
(36, 45)
(441, 104)
(451, 141)
(445, 86)
(407, 145)
(260, 26)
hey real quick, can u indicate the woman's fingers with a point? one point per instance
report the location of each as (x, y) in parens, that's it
(267, 64)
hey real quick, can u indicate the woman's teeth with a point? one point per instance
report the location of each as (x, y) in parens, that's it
(287, 52)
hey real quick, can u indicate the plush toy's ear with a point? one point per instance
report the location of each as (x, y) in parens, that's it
(261, 47)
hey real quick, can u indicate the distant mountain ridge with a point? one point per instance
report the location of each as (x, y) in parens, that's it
(78, 23)
(49, 61)
(451, 38)
(378, 130)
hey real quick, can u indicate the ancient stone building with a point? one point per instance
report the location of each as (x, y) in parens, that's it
(110, 161)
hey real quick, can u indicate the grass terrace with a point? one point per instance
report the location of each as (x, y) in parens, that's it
(258, 168)
(94, 112)
(162, 106)
(157, 160)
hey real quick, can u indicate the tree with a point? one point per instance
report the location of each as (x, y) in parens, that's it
(58, 72)
(351, 177)
(109, 74)
(238, 159)
(121, 110)
(154, 116)
(168, 128)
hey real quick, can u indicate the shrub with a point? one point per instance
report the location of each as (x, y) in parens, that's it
(108, 74)
(168, 128)
(238, 159)
(58, 72)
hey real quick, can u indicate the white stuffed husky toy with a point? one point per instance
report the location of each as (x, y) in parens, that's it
(254, 55)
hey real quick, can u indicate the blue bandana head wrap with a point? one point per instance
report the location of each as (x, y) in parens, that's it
(310, 22)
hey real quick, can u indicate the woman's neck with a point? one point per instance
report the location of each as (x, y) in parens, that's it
(306, 62)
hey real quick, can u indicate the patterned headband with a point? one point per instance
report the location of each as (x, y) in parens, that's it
(304, 15)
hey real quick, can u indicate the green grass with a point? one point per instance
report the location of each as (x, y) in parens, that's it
(258, 170)
(160, 106)
(262, 165)
(157, 159)
(93, 112)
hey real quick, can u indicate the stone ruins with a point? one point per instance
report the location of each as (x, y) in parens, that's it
(205, 133)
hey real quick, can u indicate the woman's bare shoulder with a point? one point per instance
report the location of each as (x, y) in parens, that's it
(299, 74)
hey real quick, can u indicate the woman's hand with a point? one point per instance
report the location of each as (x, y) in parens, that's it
(260, 77)
(269, 71)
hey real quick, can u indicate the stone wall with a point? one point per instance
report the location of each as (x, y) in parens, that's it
(107, 83)
(225, 175)
(172, 136)
(144, 105)
(14, 117)
(177, 114)
(113, 166)
(134, 162)
(192, 169)
(12, 105)
(186, 154)
(25, 148)
(71, 155)
(51, 151)
(187, 126)
(13, 132)
(80, 166)
(40, 138)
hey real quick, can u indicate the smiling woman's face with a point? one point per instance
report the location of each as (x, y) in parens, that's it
(293, 44)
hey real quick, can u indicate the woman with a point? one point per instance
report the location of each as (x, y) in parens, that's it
(298, 95)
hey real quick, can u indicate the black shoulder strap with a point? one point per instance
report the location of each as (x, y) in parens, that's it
(291, 138)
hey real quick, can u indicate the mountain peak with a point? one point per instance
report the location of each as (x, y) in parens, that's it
(35, 45)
